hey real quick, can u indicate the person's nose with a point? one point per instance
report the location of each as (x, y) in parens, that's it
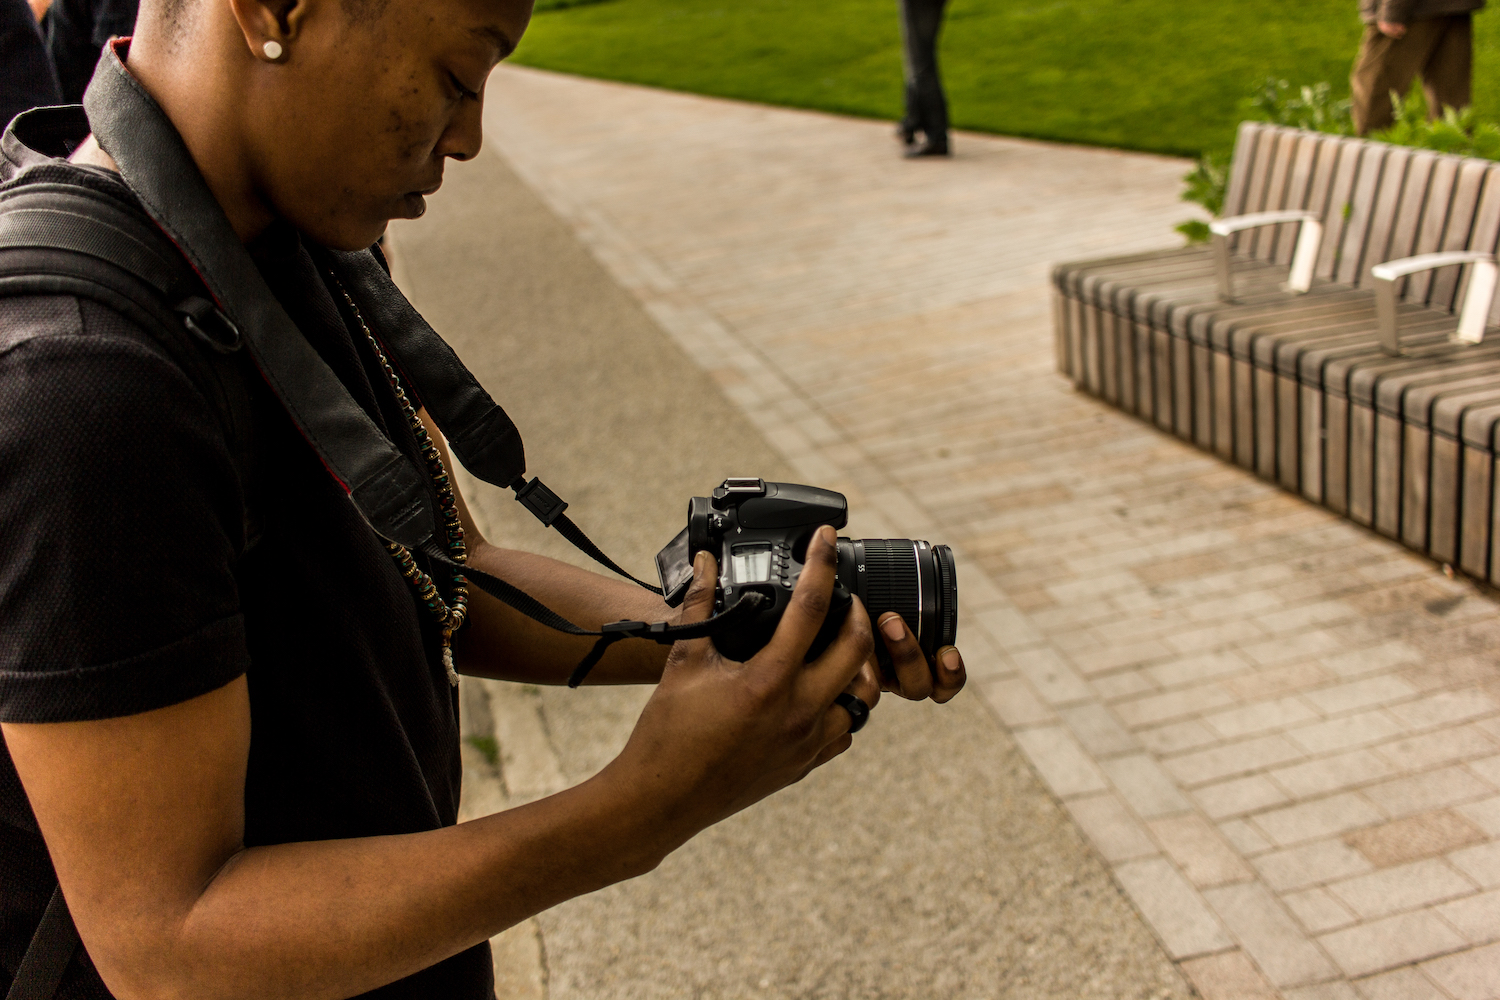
(464, 135)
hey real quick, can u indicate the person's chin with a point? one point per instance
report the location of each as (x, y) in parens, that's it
(413, 205)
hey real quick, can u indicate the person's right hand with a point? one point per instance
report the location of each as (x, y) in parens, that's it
(718, 735)
(1391, 29)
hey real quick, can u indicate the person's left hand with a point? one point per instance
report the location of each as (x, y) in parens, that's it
(916, 678)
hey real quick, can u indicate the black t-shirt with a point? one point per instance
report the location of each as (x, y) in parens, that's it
(126, 584)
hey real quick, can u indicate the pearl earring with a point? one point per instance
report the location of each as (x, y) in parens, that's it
(272, 49)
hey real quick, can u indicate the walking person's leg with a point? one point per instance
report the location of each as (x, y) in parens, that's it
(924, 19)
(1385, 64)
(909, 126)
(1449, 67)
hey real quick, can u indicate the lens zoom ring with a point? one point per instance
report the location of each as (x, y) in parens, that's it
(891, 578)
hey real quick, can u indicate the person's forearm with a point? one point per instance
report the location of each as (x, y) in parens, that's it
(502, 643)
(332, 919)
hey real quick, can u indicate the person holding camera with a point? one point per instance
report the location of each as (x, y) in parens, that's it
(238, 583)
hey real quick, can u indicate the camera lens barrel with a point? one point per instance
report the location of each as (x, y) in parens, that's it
(909, 576)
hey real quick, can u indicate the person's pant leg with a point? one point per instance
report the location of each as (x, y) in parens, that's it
(1385, 64)
(926, 106)
(1449, 67)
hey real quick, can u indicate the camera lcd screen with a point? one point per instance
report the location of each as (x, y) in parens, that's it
(750, 562)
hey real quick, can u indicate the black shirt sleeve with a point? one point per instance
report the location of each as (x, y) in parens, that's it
(121, 517)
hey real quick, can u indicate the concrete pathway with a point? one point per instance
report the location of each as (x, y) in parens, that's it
(1280, 732)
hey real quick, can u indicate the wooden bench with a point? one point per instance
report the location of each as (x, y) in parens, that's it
(1331, 337)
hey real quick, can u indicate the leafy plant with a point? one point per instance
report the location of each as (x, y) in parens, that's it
(1458, 132)
(1309, 106)
(488, 746)
(1206, 184)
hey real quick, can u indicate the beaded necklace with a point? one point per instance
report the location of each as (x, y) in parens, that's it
(449, 616)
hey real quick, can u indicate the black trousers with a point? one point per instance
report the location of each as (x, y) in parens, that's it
(926, 107)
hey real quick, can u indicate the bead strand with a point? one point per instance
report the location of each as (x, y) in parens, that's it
(450, 614)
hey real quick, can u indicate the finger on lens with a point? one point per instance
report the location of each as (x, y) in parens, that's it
(951, 674)
(866, 684)
(697, 606)
(912, 672)
(809, 605)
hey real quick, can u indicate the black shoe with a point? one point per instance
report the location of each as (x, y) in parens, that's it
(927, 148)
(906, 133)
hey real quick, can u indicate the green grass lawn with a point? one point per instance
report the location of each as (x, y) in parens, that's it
(1167, 76)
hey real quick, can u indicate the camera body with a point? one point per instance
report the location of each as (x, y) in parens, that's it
(759, 532)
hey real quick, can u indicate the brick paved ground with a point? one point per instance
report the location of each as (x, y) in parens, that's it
(1282, 732)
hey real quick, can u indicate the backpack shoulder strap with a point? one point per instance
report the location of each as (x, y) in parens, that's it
(68, 239)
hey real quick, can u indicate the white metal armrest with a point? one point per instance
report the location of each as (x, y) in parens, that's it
(1304, 257)
(1472, 317)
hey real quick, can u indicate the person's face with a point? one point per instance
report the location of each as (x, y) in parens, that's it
(352, 128)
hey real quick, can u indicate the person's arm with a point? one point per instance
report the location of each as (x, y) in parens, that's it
(144, 818)
(1392, 17)
(500, 642)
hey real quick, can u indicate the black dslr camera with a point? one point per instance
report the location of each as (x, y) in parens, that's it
(759, 532)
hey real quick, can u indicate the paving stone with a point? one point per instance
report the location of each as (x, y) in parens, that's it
(1332, 774)
(1008, 627)
(1098, 730)
(1053, 679)
(1269, 682)
(1230, 759)
(1171, 705)
(1260, 717)
(1323, 991)
(1143, 784)
(1061, 761)
(1247, 840)
(1099, 659)
(1373, 659)
(1199, 850)
(1419, 753)
(1176, 737)
(1481, 863)
(1384, 944)
(1476, 917)
(1197, 668)
(1434, 790)
(1214, 636)
(1468, 975)
(1319, 818)
(1317, 910)
(1291, 648)
(1445, 707)
(1488, 769)
(1360, 694)
(1238, 796)
(1172, 907)
(1404, 887)
(1345, 732)
(1123, 684)
(1485, 815)
(1230, 975)
(1269, 935)
(1420, 836)
(1114, 832)
(1402, 984)
(1309, 864)
(1016, 703)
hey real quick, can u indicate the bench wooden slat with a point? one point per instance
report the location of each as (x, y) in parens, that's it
(1298, 192)
(1389, 204)
(1239, 167)
(1362, 209)
(1335, 219)
(1465, 204)
(1283, 151)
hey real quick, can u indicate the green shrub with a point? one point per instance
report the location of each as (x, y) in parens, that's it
(1313, 107)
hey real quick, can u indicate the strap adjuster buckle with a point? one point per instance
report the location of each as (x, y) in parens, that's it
(546, 505)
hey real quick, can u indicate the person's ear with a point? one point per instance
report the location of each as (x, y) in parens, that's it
(270, 27)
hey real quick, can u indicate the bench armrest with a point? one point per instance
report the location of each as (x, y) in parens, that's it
(1472, 316)
(1304, 257)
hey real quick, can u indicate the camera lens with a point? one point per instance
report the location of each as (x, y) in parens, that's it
(911, 577)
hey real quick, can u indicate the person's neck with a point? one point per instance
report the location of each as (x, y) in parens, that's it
(199, 95)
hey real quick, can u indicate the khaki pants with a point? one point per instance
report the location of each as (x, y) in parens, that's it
(1440, 50)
